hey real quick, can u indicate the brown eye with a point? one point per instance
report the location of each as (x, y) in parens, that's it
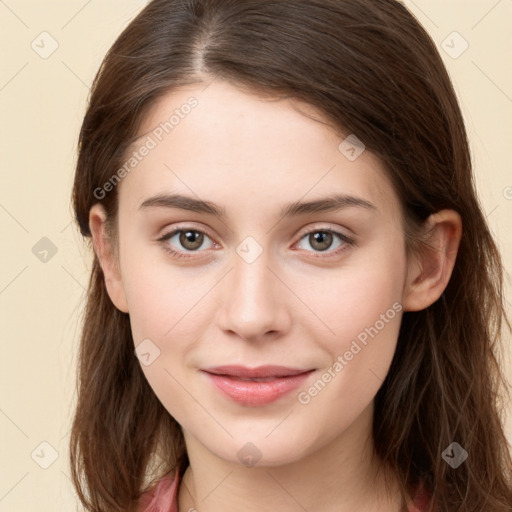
(191, 240)
(185, 240)
(326, 240)
(320, 240)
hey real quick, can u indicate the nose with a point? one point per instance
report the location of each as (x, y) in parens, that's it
(254, 302)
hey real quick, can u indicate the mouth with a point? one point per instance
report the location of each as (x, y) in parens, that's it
(261, 372)
(256, 386)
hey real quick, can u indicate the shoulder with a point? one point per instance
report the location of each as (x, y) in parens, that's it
(162, 497)
(421, 499)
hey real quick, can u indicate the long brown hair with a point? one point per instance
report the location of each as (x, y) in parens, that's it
(371, 69)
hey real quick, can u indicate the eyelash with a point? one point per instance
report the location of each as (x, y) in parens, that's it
(180, 254)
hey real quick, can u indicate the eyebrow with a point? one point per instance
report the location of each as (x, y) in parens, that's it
(331, 203)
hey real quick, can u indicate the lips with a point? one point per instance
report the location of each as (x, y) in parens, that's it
(261, 372)
(256, 386)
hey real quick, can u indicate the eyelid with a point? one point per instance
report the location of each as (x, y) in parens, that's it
(167, 233)
(324, 227)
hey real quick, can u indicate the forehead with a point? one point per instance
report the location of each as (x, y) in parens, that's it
(220, 143)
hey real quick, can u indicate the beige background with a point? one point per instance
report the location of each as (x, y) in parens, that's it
(42, 102)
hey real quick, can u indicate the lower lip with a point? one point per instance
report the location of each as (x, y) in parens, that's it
(255, 393)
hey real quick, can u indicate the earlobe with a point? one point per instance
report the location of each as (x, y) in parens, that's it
(429, 272)
(106, 257)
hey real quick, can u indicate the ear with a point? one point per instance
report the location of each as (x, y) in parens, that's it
(429, 271)
(106, 255)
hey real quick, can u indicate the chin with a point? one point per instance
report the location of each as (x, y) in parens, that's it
(262, 451)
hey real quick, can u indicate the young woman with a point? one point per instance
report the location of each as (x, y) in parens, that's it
(295, 301)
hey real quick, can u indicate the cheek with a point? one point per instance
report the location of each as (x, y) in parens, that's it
(166, 312)
(160, 296)
(161, 304)
(361, 312)
(349, 384)
(359, 356)
(355, 297)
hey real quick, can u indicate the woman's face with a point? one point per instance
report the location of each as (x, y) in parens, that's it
(308, 288)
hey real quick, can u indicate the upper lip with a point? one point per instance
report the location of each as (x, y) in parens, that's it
(259, 372)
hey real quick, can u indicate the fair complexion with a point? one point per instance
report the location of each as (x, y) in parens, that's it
(300, 303)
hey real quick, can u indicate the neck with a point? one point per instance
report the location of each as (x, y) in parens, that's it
(342, 476)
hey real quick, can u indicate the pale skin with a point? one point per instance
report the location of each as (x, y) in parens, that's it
(295, 305)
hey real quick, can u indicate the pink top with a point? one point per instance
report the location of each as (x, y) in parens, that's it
(164, 497)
